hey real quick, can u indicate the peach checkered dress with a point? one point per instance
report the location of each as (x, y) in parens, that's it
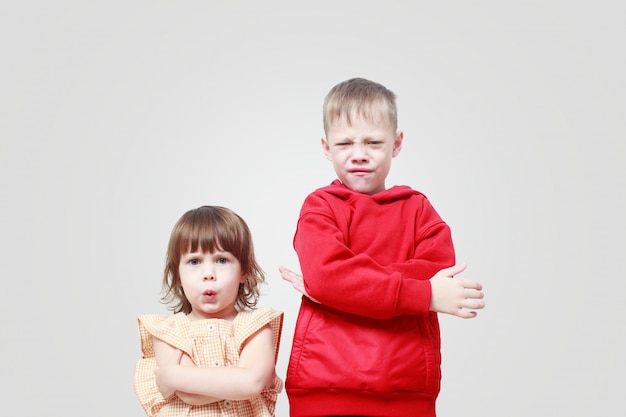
(209, 342)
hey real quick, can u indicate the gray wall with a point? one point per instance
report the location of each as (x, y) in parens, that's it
(116, 117)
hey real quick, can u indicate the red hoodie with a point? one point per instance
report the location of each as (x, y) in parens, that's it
(371, 346)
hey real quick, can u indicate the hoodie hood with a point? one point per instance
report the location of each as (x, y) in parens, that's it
(338, 189)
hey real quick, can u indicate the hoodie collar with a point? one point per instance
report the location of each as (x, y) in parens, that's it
(337, 188)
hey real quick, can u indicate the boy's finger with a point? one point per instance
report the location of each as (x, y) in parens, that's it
(455, 269)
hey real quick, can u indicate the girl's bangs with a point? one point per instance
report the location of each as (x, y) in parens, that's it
(200, 238)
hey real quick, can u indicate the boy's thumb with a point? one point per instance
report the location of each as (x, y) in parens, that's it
(456, 269)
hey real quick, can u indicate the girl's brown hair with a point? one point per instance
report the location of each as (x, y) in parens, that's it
(211, 228)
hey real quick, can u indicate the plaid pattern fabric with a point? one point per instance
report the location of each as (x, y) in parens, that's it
(209, 342)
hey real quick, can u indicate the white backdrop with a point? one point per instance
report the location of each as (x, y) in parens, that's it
(117, 117)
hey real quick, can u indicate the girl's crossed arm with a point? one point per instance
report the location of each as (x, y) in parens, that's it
(195, 385)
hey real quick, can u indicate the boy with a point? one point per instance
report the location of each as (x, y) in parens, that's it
(376, 266)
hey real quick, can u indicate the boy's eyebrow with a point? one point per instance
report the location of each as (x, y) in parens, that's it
(368, 137)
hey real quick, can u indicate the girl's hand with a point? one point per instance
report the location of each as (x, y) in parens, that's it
(168, 359)
(163, 377)
(166, 354)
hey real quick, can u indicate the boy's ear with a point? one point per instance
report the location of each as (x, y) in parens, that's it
(326, 148)
(397, 143)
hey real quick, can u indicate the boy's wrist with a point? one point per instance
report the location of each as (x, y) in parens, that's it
(414, 297)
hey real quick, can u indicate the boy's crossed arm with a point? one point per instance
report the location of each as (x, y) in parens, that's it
(457, 297)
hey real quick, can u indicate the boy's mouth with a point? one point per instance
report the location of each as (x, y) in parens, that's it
(359, 172)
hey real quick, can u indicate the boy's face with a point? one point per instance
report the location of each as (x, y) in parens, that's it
(361, 153)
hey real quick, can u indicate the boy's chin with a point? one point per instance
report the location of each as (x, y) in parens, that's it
(363, 188)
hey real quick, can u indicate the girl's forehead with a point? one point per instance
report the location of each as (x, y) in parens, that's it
(199, 244)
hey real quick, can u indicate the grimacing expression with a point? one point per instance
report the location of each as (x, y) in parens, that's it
(361, 152)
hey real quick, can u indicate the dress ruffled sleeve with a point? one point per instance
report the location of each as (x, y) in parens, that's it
(170, 329)
(250, 322)
(247, 324)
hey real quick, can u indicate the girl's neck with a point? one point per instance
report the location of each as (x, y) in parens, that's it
(222, 315)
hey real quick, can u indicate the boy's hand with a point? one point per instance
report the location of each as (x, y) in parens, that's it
(457, 297)
(296, 280)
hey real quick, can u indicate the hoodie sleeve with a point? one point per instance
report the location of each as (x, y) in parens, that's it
(356, 283)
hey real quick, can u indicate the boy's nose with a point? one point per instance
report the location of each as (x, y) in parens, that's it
(359, 152)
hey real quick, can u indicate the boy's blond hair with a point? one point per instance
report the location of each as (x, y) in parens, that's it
(360, 97)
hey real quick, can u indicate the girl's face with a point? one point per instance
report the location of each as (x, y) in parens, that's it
(211, 283)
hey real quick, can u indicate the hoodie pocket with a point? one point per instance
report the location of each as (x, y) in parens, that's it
(334, 350)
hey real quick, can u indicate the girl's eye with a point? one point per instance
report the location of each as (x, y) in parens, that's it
(194, 262)
(222, 261)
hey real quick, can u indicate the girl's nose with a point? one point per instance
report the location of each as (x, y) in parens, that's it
(209, 276)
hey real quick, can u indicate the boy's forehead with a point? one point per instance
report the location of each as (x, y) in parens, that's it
(376, 120)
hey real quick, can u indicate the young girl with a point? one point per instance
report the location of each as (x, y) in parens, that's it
(216, 355)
